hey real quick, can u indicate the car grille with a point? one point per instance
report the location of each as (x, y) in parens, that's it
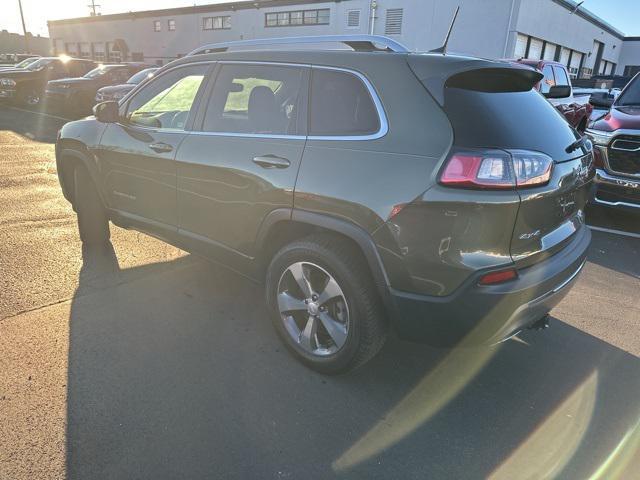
(624, 155)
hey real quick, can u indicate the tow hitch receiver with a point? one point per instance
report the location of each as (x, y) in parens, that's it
(541, 324)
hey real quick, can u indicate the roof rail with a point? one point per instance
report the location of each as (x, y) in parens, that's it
(359, 43)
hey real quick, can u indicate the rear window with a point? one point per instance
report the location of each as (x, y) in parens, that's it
(514, 120)
(341, 105)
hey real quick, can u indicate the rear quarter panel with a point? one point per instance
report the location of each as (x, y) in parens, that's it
(362, 180)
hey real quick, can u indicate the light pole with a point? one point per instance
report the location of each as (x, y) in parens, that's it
(24, 28)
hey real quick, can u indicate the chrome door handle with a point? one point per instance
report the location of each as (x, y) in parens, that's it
(271, 161)
(160, 147)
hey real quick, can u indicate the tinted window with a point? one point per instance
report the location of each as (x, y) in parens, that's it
(514, 120)
(548, 81)
(78, 69)
(167, 101)
(561, 76)
(119, 75)
(142, 75)
(631, 94)
(255, 99)
(341, 105)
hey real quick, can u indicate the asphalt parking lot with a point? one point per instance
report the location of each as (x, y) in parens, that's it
(139, 361)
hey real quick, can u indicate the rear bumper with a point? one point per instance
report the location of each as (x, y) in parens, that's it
(617, 191)
(477, 314)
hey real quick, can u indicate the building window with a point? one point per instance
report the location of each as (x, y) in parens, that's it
(85, 50)
(98, 52)
(353, 18)
(157, 26)
(297, 18)
(71, 49)
(114, 56)
(216, 23)
(171, 25)
(393, 21)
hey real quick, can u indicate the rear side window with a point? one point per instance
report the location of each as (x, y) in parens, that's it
(255, 99)
(561, 77)
(341, 105)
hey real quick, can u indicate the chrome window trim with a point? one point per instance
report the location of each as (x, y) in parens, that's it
(382, 117)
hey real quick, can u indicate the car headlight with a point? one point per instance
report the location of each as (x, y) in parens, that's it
(599, 137)
(7, 82)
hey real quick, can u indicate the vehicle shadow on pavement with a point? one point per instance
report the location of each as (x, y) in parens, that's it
(178, 374)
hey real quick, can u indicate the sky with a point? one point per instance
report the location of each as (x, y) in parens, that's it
(622, 14)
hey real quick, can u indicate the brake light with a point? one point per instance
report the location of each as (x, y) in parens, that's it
(502, 276)
(497, 169)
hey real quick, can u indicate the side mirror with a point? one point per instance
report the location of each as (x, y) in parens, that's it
(107, 112)
(558, 91)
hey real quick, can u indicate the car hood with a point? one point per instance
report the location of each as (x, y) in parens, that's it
(20, 73)
(619, 117)
(111, 89)
(72, 81)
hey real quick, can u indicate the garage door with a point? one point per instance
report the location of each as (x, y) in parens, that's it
(550, 51)
(564, 56)
(535, 49)
(521, 46)
(575, 60)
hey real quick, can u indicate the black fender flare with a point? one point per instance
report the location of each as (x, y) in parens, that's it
(85, 160)
(343, 227)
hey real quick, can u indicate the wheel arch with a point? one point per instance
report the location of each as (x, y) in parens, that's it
(286, 225)
(70, 154)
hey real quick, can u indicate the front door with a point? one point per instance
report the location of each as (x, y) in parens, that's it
(137, 155)
(244, 161)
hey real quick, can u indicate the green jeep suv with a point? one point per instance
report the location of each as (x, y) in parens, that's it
(369, 189)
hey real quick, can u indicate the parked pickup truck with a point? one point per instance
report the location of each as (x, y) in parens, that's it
(26, 85)
(616, 137)
(556, 87)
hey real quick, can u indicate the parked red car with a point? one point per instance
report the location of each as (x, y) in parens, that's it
(556, 87)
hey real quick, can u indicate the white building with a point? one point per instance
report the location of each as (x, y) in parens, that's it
(550, 29)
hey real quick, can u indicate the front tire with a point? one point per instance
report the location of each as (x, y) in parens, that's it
(324, 304)
(93, 224)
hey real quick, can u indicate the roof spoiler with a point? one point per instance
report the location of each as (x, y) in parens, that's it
(471, 74)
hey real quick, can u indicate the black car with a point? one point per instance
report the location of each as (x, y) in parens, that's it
(78, 94)
(116, 92)
(27, 85)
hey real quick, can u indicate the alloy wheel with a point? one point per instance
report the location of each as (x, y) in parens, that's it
(313, 309)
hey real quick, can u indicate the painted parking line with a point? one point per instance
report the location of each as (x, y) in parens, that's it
(41, 113)
(615, 232)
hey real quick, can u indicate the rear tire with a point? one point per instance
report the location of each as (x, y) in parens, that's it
(93, 224)
(359, 329)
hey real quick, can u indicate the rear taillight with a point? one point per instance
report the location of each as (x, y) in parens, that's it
(496, 169)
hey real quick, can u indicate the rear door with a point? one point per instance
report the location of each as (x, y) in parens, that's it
(243, 161)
